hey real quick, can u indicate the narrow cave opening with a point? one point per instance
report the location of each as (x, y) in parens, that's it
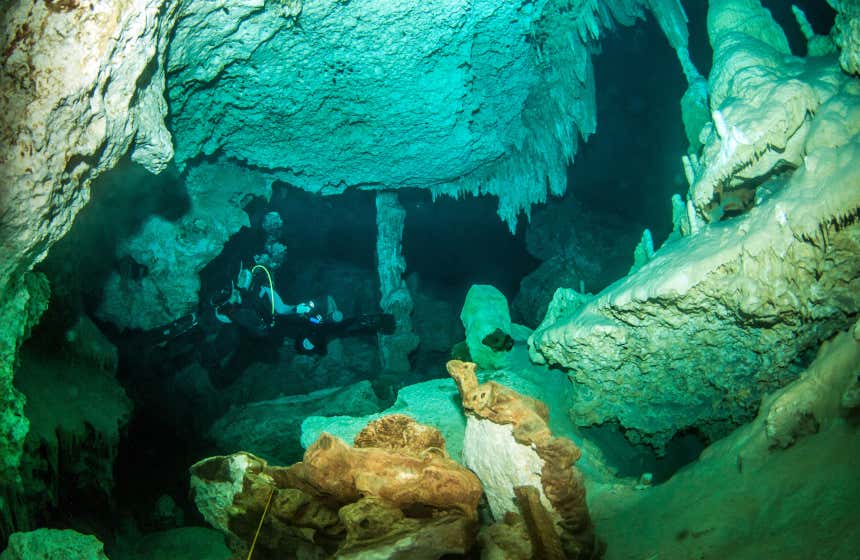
(635, 460)
(454, 243)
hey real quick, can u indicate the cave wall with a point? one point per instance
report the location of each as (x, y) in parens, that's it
(62, 124)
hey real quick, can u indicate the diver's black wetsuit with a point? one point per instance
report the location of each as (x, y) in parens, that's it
(225, 349)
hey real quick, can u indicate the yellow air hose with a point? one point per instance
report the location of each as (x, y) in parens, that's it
(260, 525)
(271, 286)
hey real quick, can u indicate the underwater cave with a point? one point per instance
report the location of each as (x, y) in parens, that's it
(393, 279)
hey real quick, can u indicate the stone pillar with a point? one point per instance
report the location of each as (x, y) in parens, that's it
(395, 298)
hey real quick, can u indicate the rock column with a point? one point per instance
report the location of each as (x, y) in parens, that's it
(395, 298)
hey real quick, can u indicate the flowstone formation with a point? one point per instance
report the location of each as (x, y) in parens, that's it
(719, 317)
(396, 494)
(524, 468)
(761, 97)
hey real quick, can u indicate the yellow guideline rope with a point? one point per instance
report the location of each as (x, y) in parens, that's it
(260, 525)
(271, 286)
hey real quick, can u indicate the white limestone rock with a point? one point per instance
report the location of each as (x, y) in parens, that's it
(214, 495)
(761, 98)
(502, 464)
(716, 319)
(69, 110)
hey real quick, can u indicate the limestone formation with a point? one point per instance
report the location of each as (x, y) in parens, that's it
(455, 98)
(672, 19)
(487, 321)
(392, 497)
(644, 251)
(509, 445)
(761, 97)
(53, 544)
(474, 98)
(395, 298)
(724, 315)
(271, 429)
(80, 85)
(816, 45)
(173, 251)
(77, 410)
(822, 394)
(846, 33)
(776, 464)
(86, 343)
(18, 315)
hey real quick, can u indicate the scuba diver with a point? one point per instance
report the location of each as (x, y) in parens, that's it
(249, 310)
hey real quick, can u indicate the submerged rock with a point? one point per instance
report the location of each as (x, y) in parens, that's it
(182, 543)
(53, 544)
(272, 428)
(172, 252)
(750, 495)
(524, 468)
(487, 321)
(77, 411)
(396, 494)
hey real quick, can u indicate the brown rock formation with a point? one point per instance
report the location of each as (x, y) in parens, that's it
(397, 495)
(562, 484)
(398, 432)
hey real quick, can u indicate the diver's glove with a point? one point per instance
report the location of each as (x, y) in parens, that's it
(304, 308)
